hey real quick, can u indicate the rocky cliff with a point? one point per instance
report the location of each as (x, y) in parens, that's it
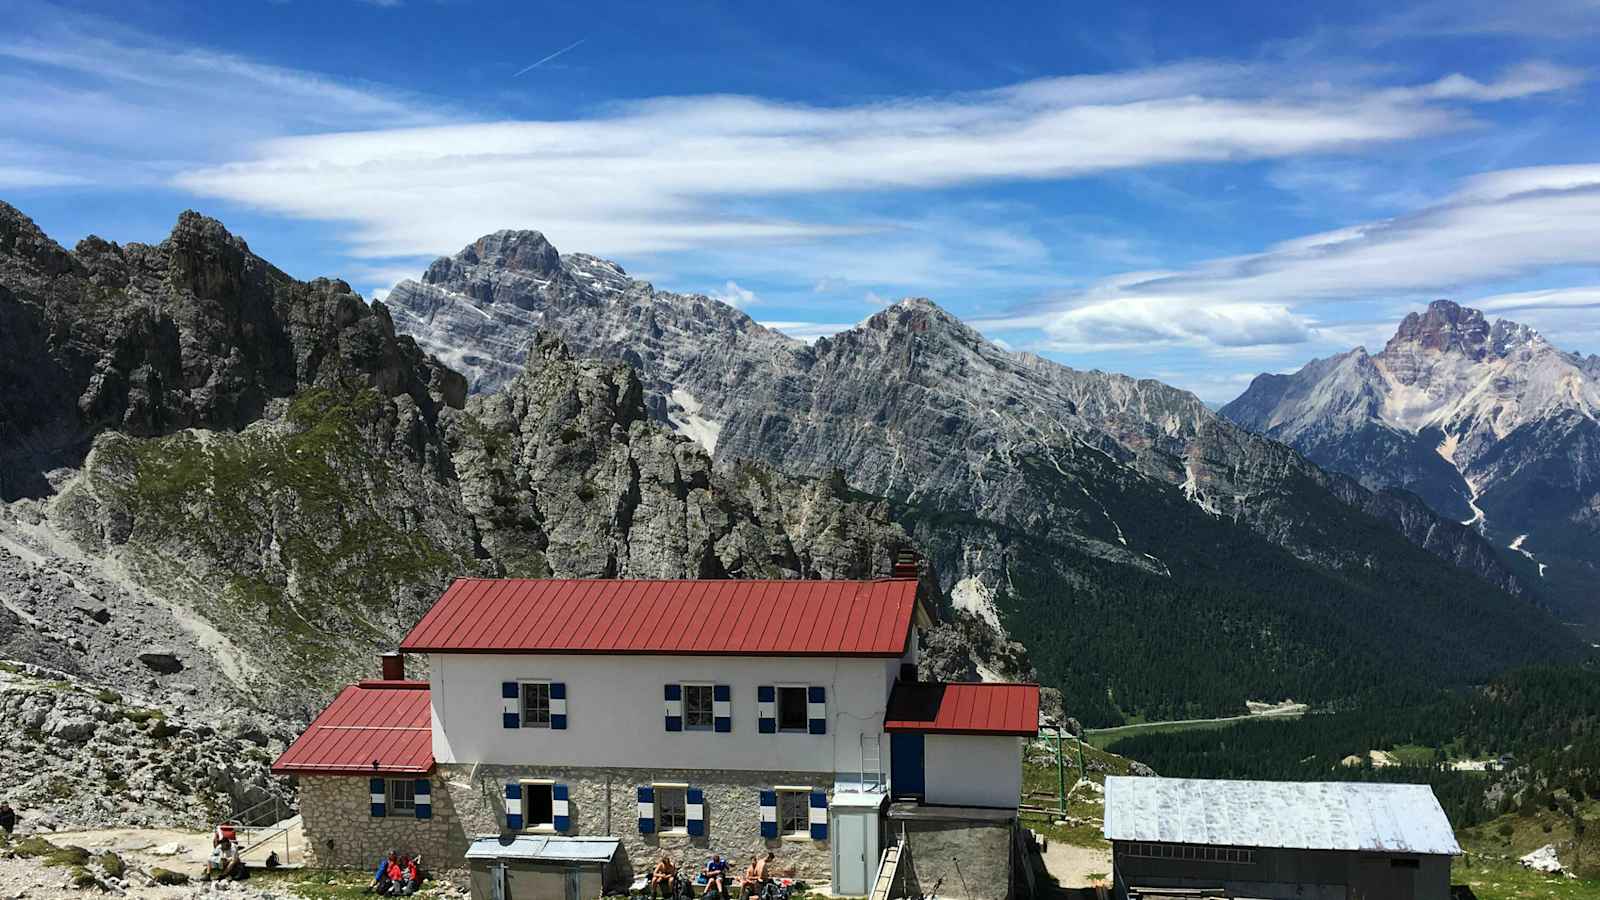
(1036, 486)
(226, 485)
(1488, 422)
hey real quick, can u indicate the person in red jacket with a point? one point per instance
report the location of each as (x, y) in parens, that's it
(410, 877)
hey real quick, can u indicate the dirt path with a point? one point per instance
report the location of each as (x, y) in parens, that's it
(1072, 867)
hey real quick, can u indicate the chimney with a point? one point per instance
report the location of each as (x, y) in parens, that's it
(907, 563)
(393, 667)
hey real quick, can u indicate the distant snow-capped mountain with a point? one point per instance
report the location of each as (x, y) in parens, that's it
(1490, 423)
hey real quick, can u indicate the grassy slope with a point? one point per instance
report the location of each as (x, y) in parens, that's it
(1041, 787)
(1490, 866)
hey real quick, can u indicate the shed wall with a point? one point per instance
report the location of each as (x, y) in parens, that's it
(1308, 874)
(973, 770)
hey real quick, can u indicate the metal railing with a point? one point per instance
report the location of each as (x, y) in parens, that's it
(279, 823)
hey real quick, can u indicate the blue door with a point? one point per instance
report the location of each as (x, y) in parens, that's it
(906, 773)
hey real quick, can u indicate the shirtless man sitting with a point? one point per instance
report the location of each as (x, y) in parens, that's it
(757, 875)
(663, 874)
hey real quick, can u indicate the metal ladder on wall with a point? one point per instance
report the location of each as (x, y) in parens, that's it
(872, 761)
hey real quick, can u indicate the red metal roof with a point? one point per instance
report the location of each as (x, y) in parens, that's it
(371, 728)
(722, 617)
(964, 708)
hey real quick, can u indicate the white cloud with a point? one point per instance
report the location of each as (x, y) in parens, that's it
(663, 174)
(1499, 225)
(809, 331)
(734, 295)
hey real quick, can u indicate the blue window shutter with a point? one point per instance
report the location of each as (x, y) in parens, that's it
(817, 709)
(819, 815)
(379, 797)
(674, 696)
(647, 810)
(722, 708)
(561, 808)
(558, 704)
(695, 812)
(769, 815)
(767, 709)
(513, 807)
(424, 798)
(510, 710)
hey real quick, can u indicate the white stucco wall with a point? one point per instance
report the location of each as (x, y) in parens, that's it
(615, 711)
(972, 770)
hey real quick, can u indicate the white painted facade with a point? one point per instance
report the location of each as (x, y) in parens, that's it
(616, 714)
(972, 770)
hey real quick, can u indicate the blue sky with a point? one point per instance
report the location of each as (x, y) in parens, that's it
(1192, 192)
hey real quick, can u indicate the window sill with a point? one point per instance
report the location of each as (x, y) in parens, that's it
(796, 838)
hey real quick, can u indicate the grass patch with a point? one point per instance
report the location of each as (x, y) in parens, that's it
(1497, 879)
(1041, 788)
(1104, 738)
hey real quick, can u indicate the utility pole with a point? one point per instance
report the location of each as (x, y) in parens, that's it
(1061, 775)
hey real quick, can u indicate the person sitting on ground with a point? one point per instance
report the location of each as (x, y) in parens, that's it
(717, 875)
(410, 877)
(380, 876)
(8, 818)
(663, 874)
(394, 873)
(226, 864)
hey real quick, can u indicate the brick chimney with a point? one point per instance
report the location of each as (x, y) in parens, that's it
(907, 563)
(393, 666)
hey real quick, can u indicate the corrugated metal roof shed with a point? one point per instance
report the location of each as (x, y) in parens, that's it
(1340, 815)
(964, 708)
(720, 617)
(388, 723)
(544, 848)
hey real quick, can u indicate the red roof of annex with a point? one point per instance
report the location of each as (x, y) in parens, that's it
(720, 617)
(964, 708)
(371, 728)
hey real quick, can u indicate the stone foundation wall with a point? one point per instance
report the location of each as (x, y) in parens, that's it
(604, 801)
(958, 859)
(341, 831)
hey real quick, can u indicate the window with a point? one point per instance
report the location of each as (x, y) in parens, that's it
(538, 806)
(402, 795)
(672, 808)
(1405, 863)
(698, 714)
(1196, 852)
(794, 812)
(536, 704)
(792, 709)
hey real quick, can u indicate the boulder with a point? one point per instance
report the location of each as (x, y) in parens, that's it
(1141, 770)
(71, 726)
(161, 660)
(1543, 860)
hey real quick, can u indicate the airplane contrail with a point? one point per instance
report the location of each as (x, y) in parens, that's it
(541, 62)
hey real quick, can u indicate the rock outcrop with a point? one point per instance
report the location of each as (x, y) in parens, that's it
(1489, 423)
(80, 754)
(248, 485)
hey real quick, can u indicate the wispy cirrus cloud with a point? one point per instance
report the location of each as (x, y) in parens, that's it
(686, 172)
(88, 100)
